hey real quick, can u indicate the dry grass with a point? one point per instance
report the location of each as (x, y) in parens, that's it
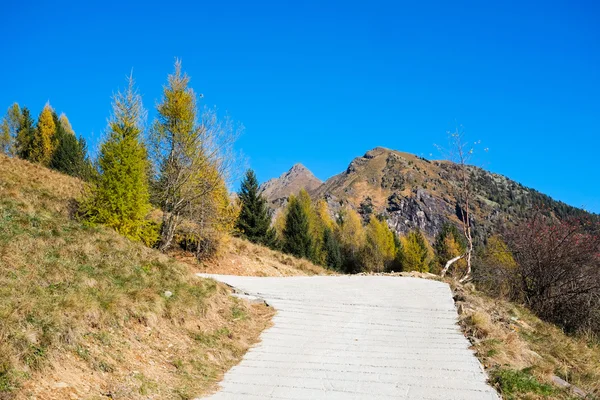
(241, 257)
(516, 346)
(88, 314)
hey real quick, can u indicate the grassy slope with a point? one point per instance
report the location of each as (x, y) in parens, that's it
(523, 353)
(84, 311)
(241, 257)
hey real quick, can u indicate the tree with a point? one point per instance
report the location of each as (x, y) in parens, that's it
(558, 269)
(449, 243)
(461, 155)
(214, 216)
(396, 264)
(9, 128)
(279, 223)
(352, 239)
(192, 159)
(316, 225)
(332, 249)
(494, 269)
(254, 222)
(296, 235)
(70, 155)
(25, 135)
(379, 248)
(66, 124)
(417, 254)
(121, 199)
(44, 140)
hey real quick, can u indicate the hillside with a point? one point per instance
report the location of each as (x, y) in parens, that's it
(412, 191)
(525, 357)
(87, 313)
(245, 258)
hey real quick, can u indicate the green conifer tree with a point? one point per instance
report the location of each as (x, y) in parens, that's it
(254, 222)
(25, 135)
(121, 198)
(296, 234)
(449, 243)
(9, 128)
(333, 250)
(396, 263)
(69, 156)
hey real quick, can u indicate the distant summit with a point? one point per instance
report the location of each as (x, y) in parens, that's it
(277, 190)
(413, 192)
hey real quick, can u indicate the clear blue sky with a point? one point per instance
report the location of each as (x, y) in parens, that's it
(323, 82)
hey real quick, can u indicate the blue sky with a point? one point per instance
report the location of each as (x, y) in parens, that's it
(322, 82)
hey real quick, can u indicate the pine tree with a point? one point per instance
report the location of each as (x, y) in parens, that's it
(296, 235)
(9, 128)
(254, 222)
(315, 226)
(121, 198)
(88, 172)
(449, 243)
(70, 154)
(352, 239)
(333, 251)
(44, 141)
(25, 135)
(396, 264)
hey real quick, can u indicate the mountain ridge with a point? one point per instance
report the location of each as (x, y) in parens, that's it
(413, 192)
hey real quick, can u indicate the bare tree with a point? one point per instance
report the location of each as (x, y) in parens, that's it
(460, 154)
(558, 269)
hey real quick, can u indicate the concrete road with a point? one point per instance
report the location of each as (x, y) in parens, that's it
(356, 337)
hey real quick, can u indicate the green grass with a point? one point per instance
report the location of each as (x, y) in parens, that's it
(84, 294)
(56, 274)
(513, 384)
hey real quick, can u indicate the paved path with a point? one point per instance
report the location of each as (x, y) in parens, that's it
(356, 337)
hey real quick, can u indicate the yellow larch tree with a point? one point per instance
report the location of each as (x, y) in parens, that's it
(43, 140)
(417, 253)
(352, 238)
(379, 248)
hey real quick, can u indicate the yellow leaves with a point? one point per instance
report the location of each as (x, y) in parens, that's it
(44, 141)
(65, 124)
(498, 253)
(417, 253)
(379, 247)
(323, 215)
(352, 234)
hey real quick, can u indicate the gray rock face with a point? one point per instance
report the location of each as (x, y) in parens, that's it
(421, 210)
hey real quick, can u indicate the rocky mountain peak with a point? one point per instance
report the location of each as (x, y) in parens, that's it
(290, 182)
(298, 168)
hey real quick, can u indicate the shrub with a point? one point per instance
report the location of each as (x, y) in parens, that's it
(558, 272)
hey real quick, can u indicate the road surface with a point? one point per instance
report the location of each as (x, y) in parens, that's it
(355, 337)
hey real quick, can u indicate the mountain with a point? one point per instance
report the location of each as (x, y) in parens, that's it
(277, 190)
(411, 191)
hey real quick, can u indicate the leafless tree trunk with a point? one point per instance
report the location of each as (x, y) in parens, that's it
(461, 154)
